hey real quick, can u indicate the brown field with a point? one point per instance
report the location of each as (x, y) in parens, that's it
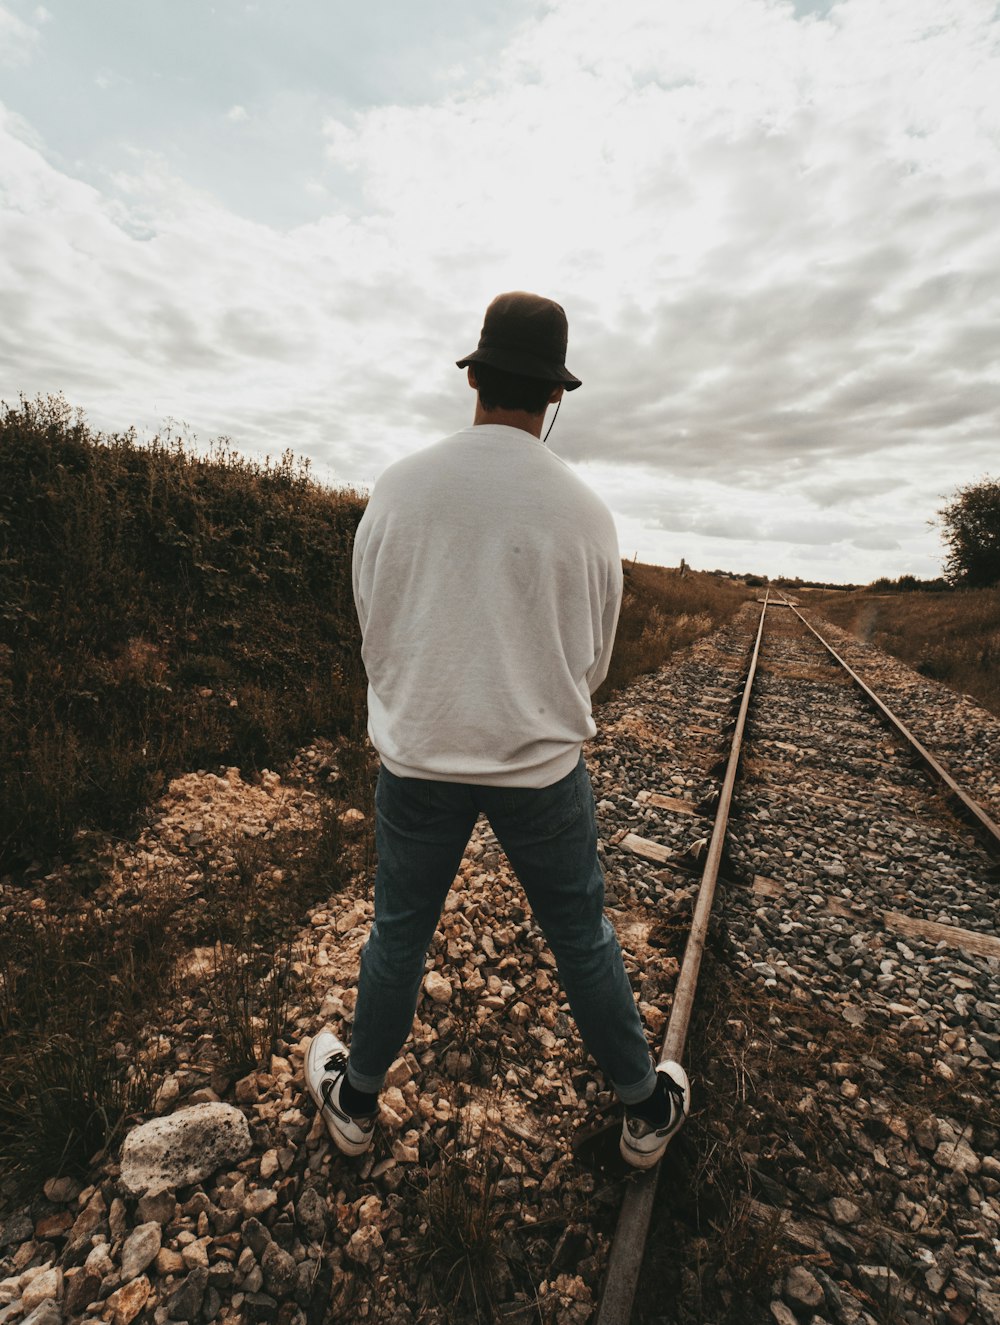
(952, 637)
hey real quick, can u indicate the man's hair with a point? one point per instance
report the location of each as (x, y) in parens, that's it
(500, 390)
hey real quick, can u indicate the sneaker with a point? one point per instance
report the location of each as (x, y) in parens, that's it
(643, 1143)
(326, 1071)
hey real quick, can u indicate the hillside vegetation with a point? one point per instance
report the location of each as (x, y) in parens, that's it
(952, 637)
(159, 612)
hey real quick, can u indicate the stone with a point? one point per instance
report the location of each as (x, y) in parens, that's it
(881, 1281)
(843, 1212)
(48, 1284)
(802, 1290)
(926, 1133)
(437, 987)
(90, 1218)
(184, 1148)
(17, 1228)
(311, 1214)
(61, 1190)
(158, 1207)
(958, 1156)
(169, 1261)
(279, 1270)
(782, 1314)
(185, 1301)
(99, 1260)
(255, 1235)
(259, 1309)
(365, 1245)
(46, 1313)
(53, 1226)
(81, 1289)
(126, 1302)
(167, 1095)
(258, 1201)
(195, 1253)
(140, 1249)
(246, 1089)
(118, 1219)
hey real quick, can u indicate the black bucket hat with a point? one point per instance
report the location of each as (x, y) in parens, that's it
(525, 334)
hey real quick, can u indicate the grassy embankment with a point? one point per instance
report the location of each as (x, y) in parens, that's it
(162, 612)
(953, 637)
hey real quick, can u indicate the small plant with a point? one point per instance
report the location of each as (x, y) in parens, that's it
(462, 1218)
(73, 990)
(252, 921)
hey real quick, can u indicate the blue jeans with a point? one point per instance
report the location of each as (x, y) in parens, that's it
(550, 836)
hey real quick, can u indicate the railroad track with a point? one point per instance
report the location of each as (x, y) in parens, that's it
(854, 877)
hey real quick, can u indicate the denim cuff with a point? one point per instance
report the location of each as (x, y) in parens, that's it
(638, 1092)
(368, 1085)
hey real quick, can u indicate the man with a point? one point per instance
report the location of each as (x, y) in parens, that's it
(488, 581)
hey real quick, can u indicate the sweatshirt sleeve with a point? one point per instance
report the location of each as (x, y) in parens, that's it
(609, 623)
(359, 579)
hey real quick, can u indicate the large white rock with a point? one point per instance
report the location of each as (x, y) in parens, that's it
(183, 1148)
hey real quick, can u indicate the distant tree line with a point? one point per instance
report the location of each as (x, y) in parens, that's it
(909, 584)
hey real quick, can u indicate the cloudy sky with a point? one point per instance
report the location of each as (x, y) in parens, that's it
(775, 228)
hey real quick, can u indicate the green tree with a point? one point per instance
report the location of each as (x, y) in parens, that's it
(971, 526)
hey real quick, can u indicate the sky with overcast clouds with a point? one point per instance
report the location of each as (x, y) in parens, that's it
(775, 228)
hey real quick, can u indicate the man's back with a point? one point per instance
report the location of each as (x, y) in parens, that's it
(488, 581)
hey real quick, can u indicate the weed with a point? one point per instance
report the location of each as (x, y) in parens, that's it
(252, 918)
(72, 991)
(460, 1231)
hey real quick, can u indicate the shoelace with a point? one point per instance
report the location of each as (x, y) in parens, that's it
(675, 1089)
(337, 1063)
(675, 1095)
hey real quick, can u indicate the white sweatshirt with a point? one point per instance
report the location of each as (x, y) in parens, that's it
(487, 579)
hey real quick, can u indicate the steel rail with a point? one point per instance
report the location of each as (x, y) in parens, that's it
(938, 769)
(625, 1261)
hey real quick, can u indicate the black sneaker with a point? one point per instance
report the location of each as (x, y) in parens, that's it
(325, 1073)
(643, 1143)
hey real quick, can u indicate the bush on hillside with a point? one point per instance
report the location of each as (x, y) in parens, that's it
(159, 611)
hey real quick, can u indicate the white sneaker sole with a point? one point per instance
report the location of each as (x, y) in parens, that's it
(314, 1064)
(645, 1159)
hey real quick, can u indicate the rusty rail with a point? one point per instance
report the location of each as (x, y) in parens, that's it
(625, 1260)
(973, 808)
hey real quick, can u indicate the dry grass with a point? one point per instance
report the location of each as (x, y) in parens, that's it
(461, 1226)
(952, 637)
(663, 612)
(74, 988)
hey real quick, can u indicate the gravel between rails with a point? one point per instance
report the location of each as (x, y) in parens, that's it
(865, 1122)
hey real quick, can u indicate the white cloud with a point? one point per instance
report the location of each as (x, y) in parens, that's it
(18, 40)
(775, 240)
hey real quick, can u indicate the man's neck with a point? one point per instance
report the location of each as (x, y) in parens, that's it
(511, 418)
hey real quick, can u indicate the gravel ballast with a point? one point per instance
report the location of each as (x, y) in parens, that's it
(865, 1125)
